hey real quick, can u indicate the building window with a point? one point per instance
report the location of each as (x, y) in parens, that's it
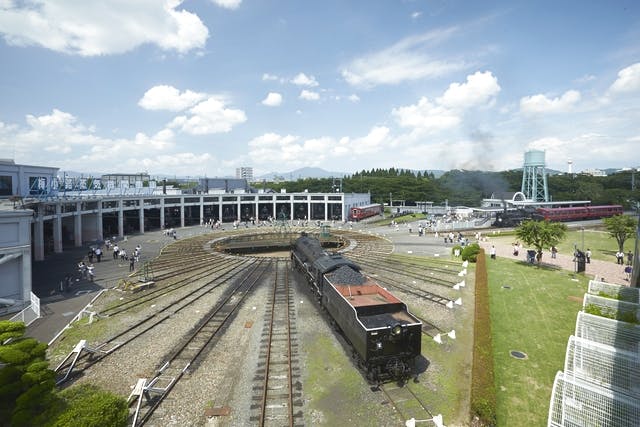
(6, 185)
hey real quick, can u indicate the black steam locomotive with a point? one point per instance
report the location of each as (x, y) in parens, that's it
(385, 337)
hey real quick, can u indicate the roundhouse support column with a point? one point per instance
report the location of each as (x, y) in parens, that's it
(308, 209)
(238, 209)
(326, 210)
(201, 210)
(38, 238)
(220, 210)
(162, 214)
(77, 232)
(121, 218)
(291, 211)
(27, 285)
(181, 211)
(99, 221)
(141, 215)
(256, 211)
(57, 230)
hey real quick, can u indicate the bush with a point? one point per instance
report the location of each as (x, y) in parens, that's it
(470, 252)
(89, 406)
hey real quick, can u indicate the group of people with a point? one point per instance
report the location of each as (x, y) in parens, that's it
(620, 257)
(94, 252)
(171, 233)
(86, 271)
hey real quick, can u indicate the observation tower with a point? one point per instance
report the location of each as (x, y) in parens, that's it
(534, 177)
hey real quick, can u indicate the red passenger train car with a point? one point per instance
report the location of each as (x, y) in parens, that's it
(578, 213)
(362, 212)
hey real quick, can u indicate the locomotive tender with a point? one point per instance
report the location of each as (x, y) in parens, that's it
(385, 337)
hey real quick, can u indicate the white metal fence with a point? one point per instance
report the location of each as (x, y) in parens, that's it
(30, 313)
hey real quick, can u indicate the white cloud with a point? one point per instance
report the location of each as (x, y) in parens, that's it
(353, 98)
(309, 95)
(228, 4)
(169, 98)
(426, 116)
(273, 99)
(628, 79)
(102, 28)
(292, 151)
(541, 104)
(183, 163)
(376, 140)
(60, 140)
(406, 60)
(446, 111)
(269, 77)
(208, 117)
(303, 80)
(479, 89)
(416, 15)
(271, 148)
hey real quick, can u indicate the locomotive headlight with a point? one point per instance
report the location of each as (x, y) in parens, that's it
(378, 345)
(396, 330)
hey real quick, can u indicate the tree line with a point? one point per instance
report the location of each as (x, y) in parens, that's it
(468, 188)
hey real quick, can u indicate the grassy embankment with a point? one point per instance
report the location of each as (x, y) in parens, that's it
(534, 315)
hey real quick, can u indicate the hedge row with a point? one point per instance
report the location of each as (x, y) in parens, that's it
(483, 393)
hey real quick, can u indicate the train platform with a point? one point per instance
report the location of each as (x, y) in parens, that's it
(58, 306)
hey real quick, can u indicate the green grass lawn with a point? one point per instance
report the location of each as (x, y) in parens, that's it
(535, 316)
(602, 245)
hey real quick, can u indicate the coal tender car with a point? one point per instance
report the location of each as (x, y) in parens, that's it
(385, 337)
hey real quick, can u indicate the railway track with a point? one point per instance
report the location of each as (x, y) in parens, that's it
(276, 385)
(71, 368)
(225, 269)
(406, 402)
(185, 356)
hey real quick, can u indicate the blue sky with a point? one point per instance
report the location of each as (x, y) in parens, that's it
(204, 86)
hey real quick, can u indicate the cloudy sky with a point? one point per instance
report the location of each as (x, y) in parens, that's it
(201, 87)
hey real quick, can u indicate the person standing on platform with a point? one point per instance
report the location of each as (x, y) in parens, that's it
(132, 261)
(98, 254)
(588, 256)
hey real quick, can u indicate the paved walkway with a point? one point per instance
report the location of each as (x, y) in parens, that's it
(599, 270)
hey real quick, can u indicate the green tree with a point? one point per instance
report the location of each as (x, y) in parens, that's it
(621, 228)
(541, 234)
(26, 382)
